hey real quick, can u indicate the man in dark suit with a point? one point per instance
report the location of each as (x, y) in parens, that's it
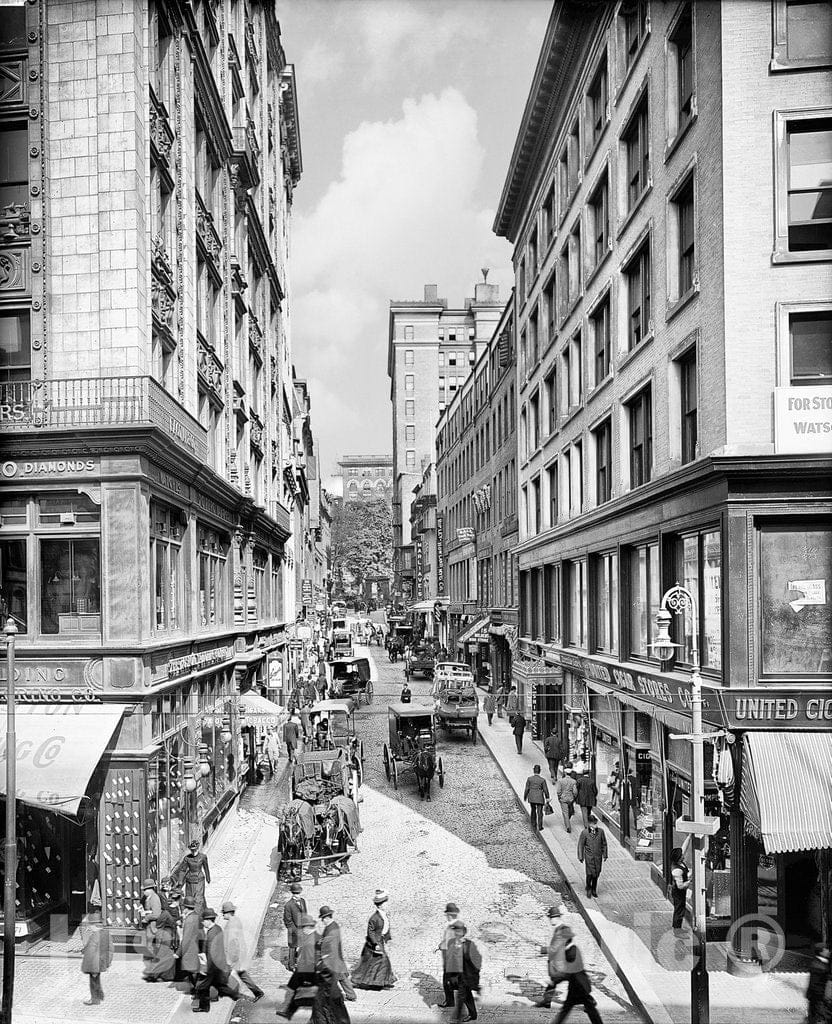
(580, 987)
(304, 973)
(189, 940)
(331, 954)
(536, 793)
(217, 971)
(555, 750)
(518, 728)
(293, 911)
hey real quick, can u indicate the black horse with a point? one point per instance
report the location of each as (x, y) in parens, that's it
(425, 766)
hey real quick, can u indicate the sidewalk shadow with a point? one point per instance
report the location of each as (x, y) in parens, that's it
(429, 989)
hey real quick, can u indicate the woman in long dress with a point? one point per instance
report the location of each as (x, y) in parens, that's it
(194, 873)
(373, 969)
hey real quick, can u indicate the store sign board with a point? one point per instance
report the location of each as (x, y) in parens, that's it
(196, 660)
(803, 420)
(306, 592)
(420, 565)
(465, 533)
(777, 709)
(648, 686)
(20, 469)
(53, 681)
(440, 555)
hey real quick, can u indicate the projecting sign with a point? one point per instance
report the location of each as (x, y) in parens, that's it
(440, 554)
(803, 419)
(306, 592)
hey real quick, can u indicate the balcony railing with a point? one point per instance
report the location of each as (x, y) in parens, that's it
(99, 402)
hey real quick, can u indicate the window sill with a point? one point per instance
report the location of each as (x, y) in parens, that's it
(570, 415)
(671, 145)
(631, 213)
(628, 74)
(681, 302)
(633, 352)
(601, 386)
(567, 207)
(776, 65)
(593, 273)
(596, 145)
(814, 256)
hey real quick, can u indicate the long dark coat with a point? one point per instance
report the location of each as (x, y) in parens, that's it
(189, 943)
(293, 911)
(214, 948)
(519, 726)
(98, 949)
(331, 952)
(592, 850)
(587, 791)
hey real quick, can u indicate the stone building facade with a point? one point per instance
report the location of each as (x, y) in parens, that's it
(147, 397)
(366, 477)
(431, 349)
(673, 319)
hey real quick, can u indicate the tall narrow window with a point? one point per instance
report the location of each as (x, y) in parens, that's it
(637, 145)
(14, 170)
(552, 483)
(682, 41)
(644, 598)
(810, 184)
(605, 603)
(165, 544)
(687, 240)
(634, 24)
(637, 275)
(600, 320)
(600, 218)
(576, 601)
(575, 261)
(690, 403)
(810, 347)
(551, 396)
(603, 462)
(641, 438)
(596, 105)
(15, 346)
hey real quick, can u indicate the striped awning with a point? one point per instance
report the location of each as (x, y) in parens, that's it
(476, 633)
(787, 789)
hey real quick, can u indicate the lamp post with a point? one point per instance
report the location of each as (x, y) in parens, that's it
(10, 846)
(680, 600)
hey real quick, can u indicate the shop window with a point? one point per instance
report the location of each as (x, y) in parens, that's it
(259, 562)
(212, 554)
(575, 603)
(794, 615)
(15, 346)
(13, 582)
(698, 565)
(637, 278)
(70, 586)
(608, 775)
(645, 594)
(638, 790)
(165, 567)
(605, 602)
(810, 347)
(636, 142)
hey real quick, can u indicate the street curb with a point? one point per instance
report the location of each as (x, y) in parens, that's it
(632, 992)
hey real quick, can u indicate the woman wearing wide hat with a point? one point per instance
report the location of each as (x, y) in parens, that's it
(193, 874)
(373, 969)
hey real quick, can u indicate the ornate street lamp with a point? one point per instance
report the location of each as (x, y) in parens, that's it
(680, 600)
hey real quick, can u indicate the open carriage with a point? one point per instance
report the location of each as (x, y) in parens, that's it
(412, 746)
(332, 727)
(319, 827)
(456, 702)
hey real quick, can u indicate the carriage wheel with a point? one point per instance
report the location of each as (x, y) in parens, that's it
(395, 776)
(441, 775)
(386, 759)
(369, 694)
(474, 733)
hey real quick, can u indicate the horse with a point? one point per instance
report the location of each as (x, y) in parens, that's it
(291, 843)
(425, 767)
(339, 830)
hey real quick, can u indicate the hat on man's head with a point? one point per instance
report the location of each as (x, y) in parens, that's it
(228, 907)
(380, 897)
(193, 844)
(189, 903)
(148, 883)
(325, 912)
(175, 894)
(307, 921)
(295, 888)
(451, 908)
(553, 912)
(209, 914)
(457, 926)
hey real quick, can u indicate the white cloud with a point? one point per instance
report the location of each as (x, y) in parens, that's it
(401, 213)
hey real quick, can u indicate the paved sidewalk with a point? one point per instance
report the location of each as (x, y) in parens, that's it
(631, 920)
(51, 989)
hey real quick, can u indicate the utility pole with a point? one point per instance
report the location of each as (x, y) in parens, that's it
(10, 846)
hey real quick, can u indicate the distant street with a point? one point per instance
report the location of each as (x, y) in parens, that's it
(470, 844)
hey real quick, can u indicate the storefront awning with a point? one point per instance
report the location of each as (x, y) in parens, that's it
(261, 711)
(58, 749)
(787, 789)
(428, 605)
(478, 633)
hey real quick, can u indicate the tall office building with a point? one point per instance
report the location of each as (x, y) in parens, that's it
(150, 153)
(366, 477)
(431, 350)
(668, 199)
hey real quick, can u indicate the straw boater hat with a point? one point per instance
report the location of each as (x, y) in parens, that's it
(148, 883)
(380, 897)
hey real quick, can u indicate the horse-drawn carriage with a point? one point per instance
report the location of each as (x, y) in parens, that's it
(422, 661)
(412, 746)
(332, 727)
(341, 644)
(350, 677)
(319, 827)
(456, 703)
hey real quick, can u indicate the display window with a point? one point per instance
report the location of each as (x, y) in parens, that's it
(638, 785)
(166, 536)
(212, 549)
(608, 775)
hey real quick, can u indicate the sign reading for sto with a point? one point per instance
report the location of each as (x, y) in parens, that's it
(803, 420)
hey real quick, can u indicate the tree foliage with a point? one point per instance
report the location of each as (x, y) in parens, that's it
(362, 541)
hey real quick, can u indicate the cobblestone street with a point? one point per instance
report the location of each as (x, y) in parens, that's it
(472, 844)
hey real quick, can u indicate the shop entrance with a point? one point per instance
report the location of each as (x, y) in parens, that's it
(800, 902)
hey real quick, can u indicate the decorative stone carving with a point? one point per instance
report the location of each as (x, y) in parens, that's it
(255, 435)
(13, 276)
(206, 232)
(163, 304)
(161, 133)
(255, 338)
(208, 366)
(13, 82)
(14, 222)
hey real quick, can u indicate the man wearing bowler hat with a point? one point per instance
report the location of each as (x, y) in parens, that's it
(216, 971)
(294, 909)
(331, 954)
(451, 915)
(151, 909)
(304, 974)
(235, 948)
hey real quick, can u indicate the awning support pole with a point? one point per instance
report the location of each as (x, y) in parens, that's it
(10, 878)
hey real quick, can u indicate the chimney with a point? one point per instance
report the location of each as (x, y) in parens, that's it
(431, 293)
(486, 292)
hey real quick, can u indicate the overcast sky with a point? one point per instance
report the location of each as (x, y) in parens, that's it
(408, 114)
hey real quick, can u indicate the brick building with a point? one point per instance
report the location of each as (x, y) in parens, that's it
(431, 350)
(673, 319)
(366, 477)
(476, 471)
(149, 475)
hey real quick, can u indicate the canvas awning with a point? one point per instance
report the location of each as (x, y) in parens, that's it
(477, 633)
(786, 793)
(58, 749)
(261, 711)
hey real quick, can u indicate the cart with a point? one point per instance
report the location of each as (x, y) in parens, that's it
(332, 725)
(410, 732)
(456, 703)
(351, 678)
(422, 662)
